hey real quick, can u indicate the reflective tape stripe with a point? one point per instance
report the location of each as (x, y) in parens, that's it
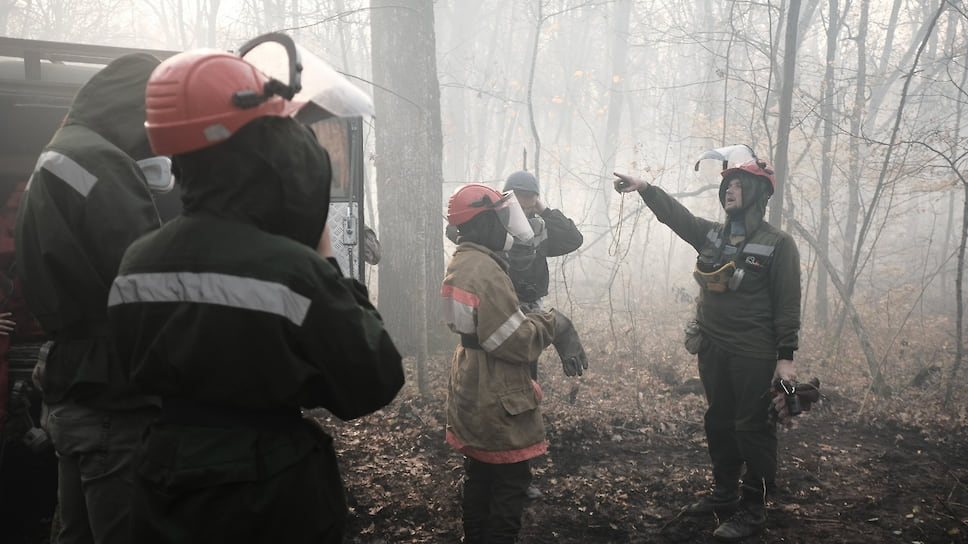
(503, 332)
(758, 249)
(459, 308)
(211, 288)
(66, 169)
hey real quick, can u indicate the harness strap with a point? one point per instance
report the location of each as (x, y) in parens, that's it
(470, 341)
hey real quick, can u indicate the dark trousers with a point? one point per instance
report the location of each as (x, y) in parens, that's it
(95, 470)
(234, 495)
(494, 498)
(737, 423)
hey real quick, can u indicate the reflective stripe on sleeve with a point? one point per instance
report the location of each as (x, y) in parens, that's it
(66, 169)
(459, 308)
(503, 332)
(211, 288)
(713, 237)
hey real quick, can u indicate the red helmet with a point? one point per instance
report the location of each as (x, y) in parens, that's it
(472, 199)
(757, 167)
(199, 98)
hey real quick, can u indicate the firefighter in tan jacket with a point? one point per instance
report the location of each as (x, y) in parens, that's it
(493, 414)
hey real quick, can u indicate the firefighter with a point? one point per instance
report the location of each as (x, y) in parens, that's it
(554, 235)
(748, 317)
(493, 413)
(236, 315)
(86, 200)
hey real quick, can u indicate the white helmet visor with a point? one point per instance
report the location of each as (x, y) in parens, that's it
(512, 217)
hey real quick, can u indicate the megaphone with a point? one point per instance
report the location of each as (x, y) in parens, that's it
(712, 163)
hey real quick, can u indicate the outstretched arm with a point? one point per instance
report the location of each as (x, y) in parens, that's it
(667, 210)
(627, 183)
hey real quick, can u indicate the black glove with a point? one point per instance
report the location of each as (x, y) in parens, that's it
(791, 398)
(566, 342)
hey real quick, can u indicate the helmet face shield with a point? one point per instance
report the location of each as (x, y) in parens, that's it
(325, 92)
(512, 217)
(473, 199)
(711, 163)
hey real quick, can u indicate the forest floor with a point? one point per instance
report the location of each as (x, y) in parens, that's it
(627, 451)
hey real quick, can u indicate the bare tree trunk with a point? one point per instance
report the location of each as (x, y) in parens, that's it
(408, 161)
(855, 162)
(781, 157)
(854, 266)
(957, 151)
(879, 385)
(529, 101)
(917, 45)
(960, 298)
(827, 111)
(856, 129)
(619, 54)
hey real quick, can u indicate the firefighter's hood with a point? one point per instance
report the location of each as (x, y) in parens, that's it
(272, 173)
(112, 103)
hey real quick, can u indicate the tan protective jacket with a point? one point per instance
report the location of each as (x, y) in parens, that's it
(493, 412)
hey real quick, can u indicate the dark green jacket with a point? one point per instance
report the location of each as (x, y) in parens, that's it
(229, 310)
(760, 319)
(86, 201)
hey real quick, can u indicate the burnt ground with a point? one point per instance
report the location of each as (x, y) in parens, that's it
(627, 452)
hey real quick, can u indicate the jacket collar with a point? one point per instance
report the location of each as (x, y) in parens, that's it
(473, 246)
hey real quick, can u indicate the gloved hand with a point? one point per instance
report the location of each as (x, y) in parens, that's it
(568, 345)
(791, 398)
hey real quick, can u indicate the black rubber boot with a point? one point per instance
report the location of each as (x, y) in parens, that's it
(721, 502)
(748, 519)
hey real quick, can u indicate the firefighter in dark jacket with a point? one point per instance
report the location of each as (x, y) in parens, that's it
(85, 202)
(493, 404)
(236, 315)
(749, 320)
(554, 235)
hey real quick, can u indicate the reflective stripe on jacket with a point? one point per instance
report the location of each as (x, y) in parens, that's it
(260, 325)
(85, 203)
